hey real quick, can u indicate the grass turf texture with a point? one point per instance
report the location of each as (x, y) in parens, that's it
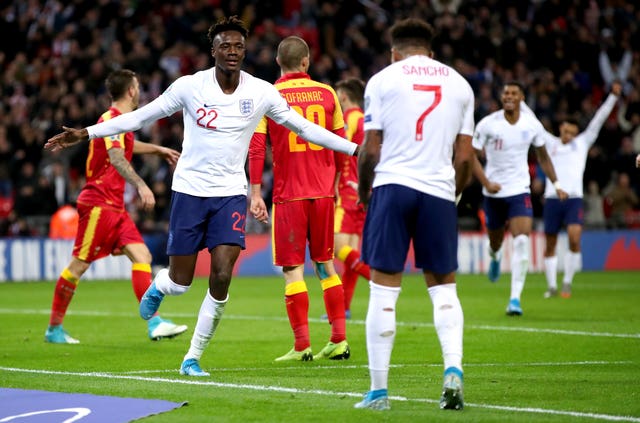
(565, 360)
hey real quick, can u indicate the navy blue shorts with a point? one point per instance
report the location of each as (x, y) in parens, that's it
(557, 213)
(203, 222)
(499, 210)
(398, 215)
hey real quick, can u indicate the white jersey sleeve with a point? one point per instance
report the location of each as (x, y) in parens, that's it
(593, 129)
(317, 134)
(127, 122)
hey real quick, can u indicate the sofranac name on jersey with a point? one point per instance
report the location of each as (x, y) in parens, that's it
(295, 97)
(425, 70)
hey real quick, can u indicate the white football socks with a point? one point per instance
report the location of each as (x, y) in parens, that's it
(209, 316)
(551, 271)
(572, 264)
(165, 285)
(448, 320)
(519, 264)
(381, 332)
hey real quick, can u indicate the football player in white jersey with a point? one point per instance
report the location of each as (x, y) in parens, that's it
(568, 153)
(505, 136)
(418, 112)
(221, 107)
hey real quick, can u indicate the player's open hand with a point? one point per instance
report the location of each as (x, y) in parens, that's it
(67, 138)
(170, 155)
(493, 187)
(616, 88)
(259, 209)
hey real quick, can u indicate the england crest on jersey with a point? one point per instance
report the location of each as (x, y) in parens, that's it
(246, 107)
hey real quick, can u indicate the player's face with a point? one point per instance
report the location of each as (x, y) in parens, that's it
(228, 51)
(511, 98)
(568, 131)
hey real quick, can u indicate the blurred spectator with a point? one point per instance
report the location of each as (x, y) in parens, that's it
(6, 162)
(594, 207)
(621, 200)
(26, 200)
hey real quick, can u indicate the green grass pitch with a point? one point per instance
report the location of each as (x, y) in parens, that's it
(564, 360)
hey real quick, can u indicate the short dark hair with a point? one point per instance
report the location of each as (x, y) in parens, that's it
(353, 88)
(118, 82)
(232, 23)
(515, 84)
(571, 121)
(411, 32)
(291, 51)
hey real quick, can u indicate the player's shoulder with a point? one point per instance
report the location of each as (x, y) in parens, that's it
(493, 118)
(253, 82)
(529, 120)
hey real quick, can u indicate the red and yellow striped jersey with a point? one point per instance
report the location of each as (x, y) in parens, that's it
(301, 170)
(105, 186)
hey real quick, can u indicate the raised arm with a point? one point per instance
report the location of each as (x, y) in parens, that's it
(592, 130)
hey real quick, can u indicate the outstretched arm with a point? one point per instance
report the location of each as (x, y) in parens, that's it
(169, 154)
(126, 122)
(318, 135)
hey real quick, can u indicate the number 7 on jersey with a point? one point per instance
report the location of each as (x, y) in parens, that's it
(437, 96)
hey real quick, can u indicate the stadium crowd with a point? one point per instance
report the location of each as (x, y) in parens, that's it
(55, 56)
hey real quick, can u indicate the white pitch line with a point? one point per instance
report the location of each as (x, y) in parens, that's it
(355, 322)
(395, 366)
(268, 388)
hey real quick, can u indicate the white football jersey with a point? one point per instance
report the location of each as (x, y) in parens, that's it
(420, 105)
(506, 148)
(569, 159)
(217, 129)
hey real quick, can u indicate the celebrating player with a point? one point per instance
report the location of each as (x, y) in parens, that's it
(568, 154)
(221, 107)
(505, 136)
